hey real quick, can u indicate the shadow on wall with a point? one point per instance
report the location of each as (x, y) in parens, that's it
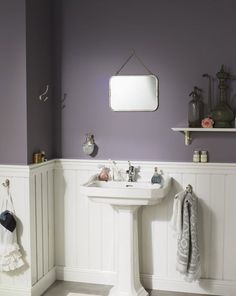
(59, 99)
(60, 188)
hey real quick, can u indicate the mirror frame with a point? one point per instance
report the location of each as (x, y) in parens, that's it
(127, 109)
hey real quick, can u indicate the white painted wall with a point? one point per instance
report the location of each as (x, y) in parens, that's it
(86, 231)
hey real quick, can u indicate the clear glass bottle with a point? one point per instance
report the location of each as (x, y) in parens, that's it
(195, 109)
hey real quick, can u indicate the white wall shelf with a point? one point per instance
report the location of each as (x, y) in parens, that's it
(188, 130)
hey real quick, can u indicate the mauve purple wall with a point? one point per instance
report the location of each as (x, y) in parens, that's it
(178, 41)
(13, 147)
(39, 74)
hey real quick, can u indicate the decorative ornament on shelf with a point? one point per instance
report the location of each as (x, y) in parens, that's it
(207, 122)
(223, 114)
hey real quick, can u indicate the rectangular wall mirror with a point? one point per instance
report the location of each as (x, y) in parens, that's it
(133, 93)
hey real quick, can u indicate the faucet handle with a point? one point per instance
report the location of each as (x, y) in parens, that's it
(131, 173)
(130, 165)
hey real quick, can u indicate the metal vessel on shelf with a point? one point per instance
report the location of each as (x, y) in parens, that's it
(222, 114)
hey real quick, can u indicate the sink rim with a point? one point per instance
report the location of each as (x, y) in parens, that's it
(148, 195)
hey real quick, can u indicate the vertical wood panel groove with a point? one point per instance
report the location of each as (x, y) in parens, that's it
(224, 215)
(48, 222)
(41, 222)
(76, 209)
(101, 241)
(224, 219)
(36, 238)
(51, 232)
(210, 234)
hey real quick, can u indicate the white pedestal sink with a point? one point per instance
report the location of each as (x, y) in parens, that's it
(126, 198)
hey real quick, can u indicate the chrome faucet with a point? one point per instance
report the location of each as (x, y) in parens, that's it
(131, 173)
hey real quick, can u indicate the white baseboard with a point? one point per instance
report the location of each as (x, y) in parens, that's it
(38, 289)
(85, 276)
(44, 283)
(204, 286)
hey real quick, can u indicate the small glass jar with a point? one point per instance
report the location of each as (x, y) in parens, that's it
(204, 156)
(196, 156)
(37, 157)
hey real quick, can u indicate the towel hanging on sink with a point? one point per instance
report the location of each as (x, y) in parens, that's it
(185, 223)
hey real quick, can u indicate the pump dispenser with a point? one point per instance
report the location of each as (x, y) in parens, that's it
(156, 178)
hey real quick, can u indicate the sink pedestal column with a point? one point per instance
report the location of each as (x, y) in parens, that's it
(127, 258)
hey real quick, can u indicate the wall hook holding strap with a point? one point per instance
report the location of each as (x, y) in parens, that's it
(133, 54)
(6, 183)
(189, 189)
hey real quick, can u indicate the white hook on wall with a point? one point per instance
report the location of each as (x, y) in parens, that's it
(44, 94)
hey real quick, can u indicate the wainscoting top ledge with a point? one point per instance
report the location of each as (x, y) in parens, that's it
(42, 164)
(146, 165)
(87, 164)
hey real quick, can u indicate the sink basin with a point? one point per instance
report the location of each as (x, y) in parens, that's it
(126, 193)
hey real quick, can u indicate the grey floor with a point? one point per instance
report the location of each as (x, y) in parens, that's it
(61, 288)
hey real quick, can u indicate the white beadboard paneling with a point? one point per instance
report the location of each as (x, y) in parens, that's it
(202, 190)
(33, 231)
(39, 225)
(59, 190)
(217, 209)
(229, 267)
(45, 222)
(189, 178)
(82, 224)
(94, 234)
(70, 217)
(51, 225)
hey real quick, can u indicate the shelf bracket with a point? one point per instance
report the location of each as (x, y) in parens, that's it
(187, 138)
(187, 130)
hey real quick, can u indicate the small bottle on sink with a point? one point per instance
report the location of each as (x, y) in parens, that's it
(104, 174)
(156, 178)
